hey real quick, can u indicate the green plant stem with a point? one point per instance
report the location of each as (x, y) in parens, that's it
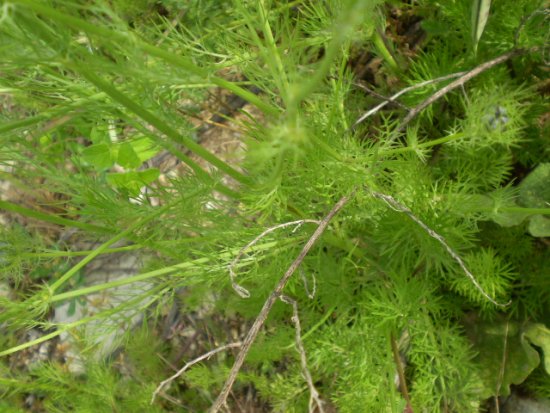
(529, 211)
(348, 20)
(103, 247)
(50, 253)
(168, 56)
(424, 145)
(63, 254)
(273, 247)
(273, 51)
(51, 113)
(8, 206)
(382, 48)
(82, 321)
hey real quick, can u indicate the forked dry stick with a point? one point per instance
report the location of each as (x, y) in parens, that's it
(273, 297)
(402, 92)
(395, 205)
(243, 292)
(502, 366)
(361, 85)
(314, 398)
(453, 85)
(191, 363)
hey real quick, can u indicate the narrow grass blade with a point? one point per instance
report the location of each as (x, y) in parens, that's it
(53, 219)
(480, 14)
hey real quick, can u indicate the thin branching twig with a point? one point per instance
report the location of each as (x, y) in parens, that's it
(502, 366)
(314, 397)
(361, 85)
(393, 98)
(400, 371)
(268, 304)
(395, 205)
(464, 77)
(310, 294)
(191, 363)
(243, 292)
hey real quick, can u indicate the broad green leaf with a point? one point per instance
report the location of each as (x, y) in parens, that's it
(539, 335)
(534, 190)
(505, 356)
(99, 134)
(539, 226)
(494, 212)
(133, 181)
(98, 155)
(480, 14)
(127, 157)
(147, 176)
(145, 148)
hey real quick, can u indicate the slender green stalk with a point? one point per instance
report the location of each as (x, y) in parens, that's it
(21, 123)
(8, 206)
(70, 326)
(273, 247)
(62, 254)
(530, 211)
(382, 48)
(124, 281)
(273, 51)
(429, 144)
(48, 253)
(49, 115)
(103, 247)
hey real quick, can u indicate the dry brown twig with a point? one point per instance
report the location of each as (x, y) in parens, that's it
(502, 366)
(310, 294)
(314, 398)
(191, 363)
(243, 292)
(268, 304)
(463, 77)
(453, 85)
(362, 85)
(396, 206)
(400, 372)
(393, 98)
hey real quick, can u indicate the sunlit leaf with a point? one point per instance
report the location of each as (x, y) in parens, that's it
(505, 355)
(127, 156)
(98, 155)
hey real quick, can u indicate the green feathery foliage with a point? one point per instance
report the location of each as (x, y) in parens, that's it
(446, 223)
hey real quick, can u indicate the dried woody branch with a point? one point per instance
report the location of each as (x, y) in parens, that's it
(457, 83)
(390, 100)
(243, 292)
(396, 206)
(502, 366)
(191, 363)
(393, 98)
(314, 399)
(401, 374)
(463, 77)
(273, 297)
